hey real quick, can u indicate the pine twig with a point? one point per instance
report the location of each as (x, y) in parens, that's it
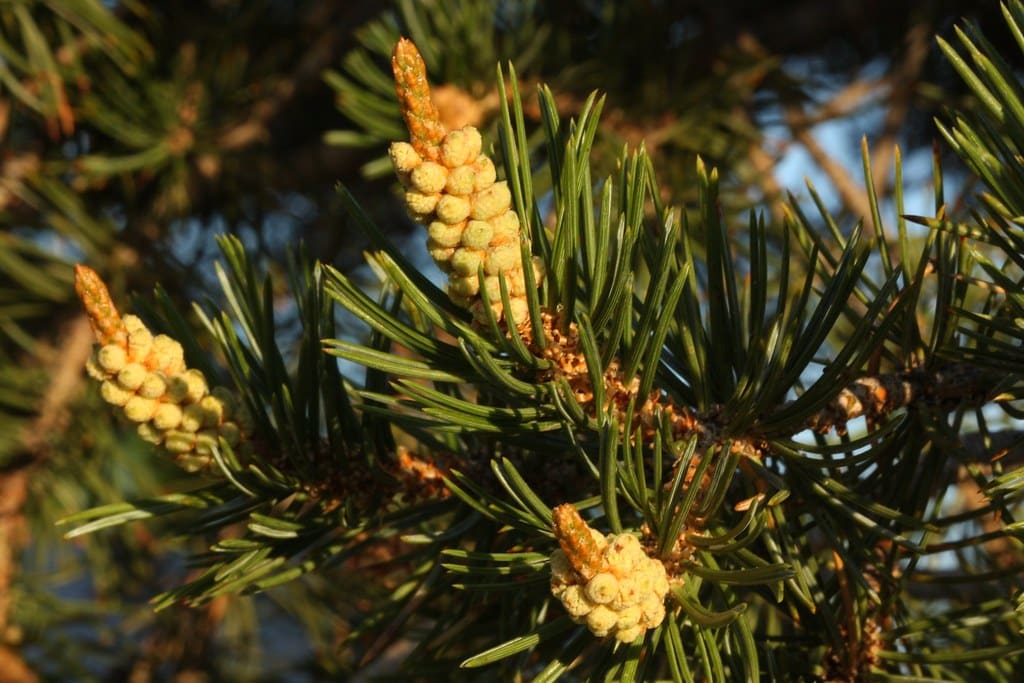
(875, 396)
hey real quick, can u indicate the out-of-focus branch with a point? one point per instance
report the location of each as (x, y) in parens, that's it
(13, 493)
(895, 89)
(1002, 551)
(854, 96)
(13, 170)
(764, 165)
(850, 192)
(68, 361)
(900, 93)
(320, 54)
(184, 643)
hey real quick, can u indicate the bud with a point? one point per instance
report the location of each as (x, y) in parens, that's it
(601, 620)
(461, 181)
(195, 385)
(466, 286)
(230, 432)
(150, 434)
(477, 234)
(484, 174)
(628, 635)
(139, 409)
(602, 588)
(93, 368)
(206, 441)
(177, 389)
(153, 386)
(506, 229)
(461, 147)
(444, 235)
(452, 209)
(227, 401)
(422, 203)
(140, 339)
(179, 442)
(167, 416)
(404, 157)
(561, 570)
(501, 259)
(491, 202)
(442, 257)
(519, 311)
(111, 358)
(429, 178)
(213, 411)
(167, 355)
(467, 261)
(132, 376)
(114, 394)
(629, 617)
(575, 602)
(192, 418)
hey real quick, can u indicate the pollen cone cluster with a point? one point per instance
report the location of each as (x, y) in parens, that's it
(608, 583)
(452, 189)
(146, 376)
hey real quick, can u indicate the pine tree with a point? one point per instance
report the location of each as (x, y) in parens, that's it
(646, 424)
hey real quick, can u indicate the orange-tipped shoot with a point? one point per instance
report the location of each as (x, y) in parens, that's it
(583, 547)
(103, 316)
(421, 116)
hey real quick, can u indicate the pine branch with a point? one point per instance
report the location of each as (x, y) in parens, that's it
(591, 452)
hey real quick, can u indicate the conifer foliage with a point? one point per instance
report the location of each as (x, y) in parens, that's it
(621, 440)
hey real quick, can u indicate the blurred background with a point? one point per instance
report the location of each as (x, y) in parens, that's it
(134, 132)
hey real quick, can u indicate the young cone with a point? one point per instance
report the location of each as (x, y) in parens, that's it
(146, 376)
(608, 583)
(452, 190)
